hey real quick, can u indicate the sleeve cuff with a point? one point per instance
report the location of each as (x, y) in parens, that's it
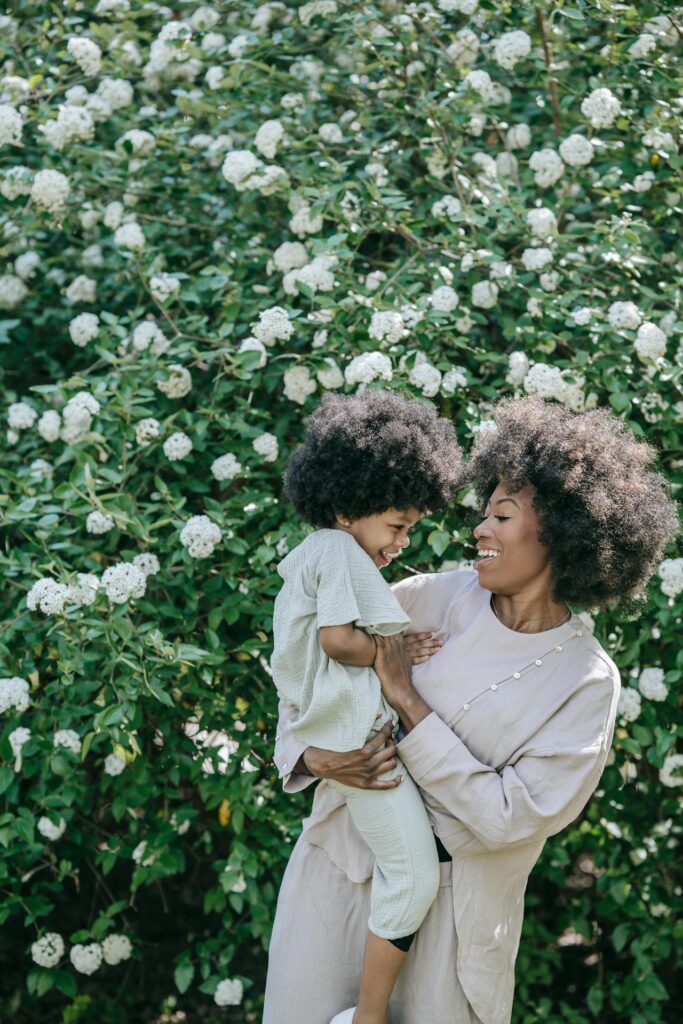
(427, 745)
(295, 782)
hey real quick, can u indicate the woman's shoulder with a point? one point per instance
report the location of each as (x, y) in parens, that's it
(594, 657)
(438, 589)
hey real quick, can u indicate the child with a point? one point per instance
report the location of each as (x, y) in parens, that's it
(371, 465)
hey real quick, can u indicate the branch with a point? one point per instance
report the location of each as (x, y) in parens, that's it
(552, 83)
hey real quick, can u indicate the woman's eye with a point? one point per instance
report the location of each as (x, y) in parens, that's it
(502, 519)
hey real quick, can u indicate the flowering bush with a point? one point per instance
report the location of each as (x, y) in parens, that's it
(211, 214)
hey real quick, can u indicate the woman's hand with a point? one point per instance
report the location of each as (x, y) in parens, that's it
(421, 646)
(395, 672)
(360, 768)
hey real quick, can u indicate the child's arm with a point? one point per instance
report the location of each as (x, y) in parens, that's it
(348, 645)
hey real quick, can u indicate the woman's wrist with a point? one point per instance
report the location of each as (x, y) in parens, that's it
(411, 709)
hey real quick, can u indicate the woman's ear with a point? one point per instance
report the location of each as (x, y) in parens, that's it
(343, 521)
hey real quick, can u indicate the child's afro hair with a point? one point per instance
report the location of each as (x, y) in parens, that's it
(605, 513)
(366, 453)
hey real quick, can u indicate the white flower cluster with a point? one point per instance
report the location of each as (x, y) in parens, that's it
(147, 430)
(629, 704)
(86, 959)
(50, 190)
(67, 738)
(226, 467)
(48, 950)
(510, 48)
(518, 367)
(484, 294)
(387, 326)
(243, 170)
(148, 335)
(11, 125)
(200, 536)
(268, 138)
(99, 522)
(576, 150)
(273, 325)
(624, 316)
(179, 381)
(177, 446)
(547, 167)
(367, 367)
(14, 693)
(266, 446)
(81, 289)
(551, 382)
(453, 380)
(114, 764)
(86, 53)
(650, 342)
(48, 596)
(671, 574)
(447, 207)
(123, 581)
(130, 236)
(316, 275)
(537, 259)
(542, 222)
(13, 291)
(651, 684)
(18, 739)
(601, 108)
(47, 828)
(298, 384)
(163, 286)
(330, 376)
(230, 990)
(444, 299)
(116, 948)
(424, 376)
(671, 772)
(72, 124)
(21, 416)
(83, 328)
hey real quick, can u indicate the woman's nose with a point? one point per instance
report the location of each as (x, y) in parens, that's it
(480, 529)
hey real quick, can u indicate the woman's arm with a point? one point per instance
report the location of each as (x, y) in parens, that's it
(546, 787)
(360, 768)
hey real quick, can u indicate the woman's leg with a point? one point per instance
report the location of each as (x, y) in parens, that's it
(316, 950)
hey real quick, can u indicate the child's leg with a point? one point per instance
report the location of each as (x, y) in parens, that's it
(395, 826)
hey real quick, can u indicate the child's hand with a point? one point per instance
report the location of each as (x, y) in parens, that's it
(420, 647)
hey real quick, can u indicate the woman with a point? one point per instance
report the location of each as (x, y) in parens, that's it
(506, 726)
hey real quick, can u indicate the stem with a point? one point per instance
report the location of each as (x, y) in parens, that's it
(552, 83)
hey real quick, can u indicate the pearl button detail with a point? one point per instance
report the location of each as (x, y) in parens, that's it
(516, 675)
(558, 648)
(286, 765)
(579, 632)
(538, 661)
(466, 707)
(494, 686)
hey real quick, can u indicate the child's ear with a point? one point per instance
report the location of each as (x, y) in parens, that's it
(343, 521)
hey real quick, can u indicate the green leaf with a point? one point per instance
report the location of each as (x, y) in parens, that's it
(6, 778)
(595, 999)
(620, 936)
(183, 975)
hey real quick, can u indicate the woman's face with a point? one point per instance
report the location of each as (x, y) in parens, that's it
(511, 558)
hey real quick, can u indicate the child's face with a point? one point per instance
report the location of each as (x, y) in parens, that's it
(383, 536)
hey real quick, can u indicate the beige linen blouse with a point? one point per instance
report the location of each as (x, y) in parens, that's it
(514, 748)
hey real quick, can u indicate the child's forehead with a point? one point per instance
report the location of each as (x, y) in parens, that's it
(406, 515)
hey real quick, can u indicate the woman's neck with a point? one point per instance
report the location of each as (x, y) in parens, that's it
(529, 612)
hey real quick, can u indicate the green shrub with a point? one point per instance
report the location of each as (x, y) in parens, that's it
(427, 203)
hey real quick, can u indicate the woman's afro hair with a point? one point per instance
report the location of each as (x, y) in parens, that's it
(369, 452)
(605, 514)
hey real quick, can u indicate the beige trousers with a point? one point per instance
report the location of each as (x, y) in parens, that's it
(316, 950)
